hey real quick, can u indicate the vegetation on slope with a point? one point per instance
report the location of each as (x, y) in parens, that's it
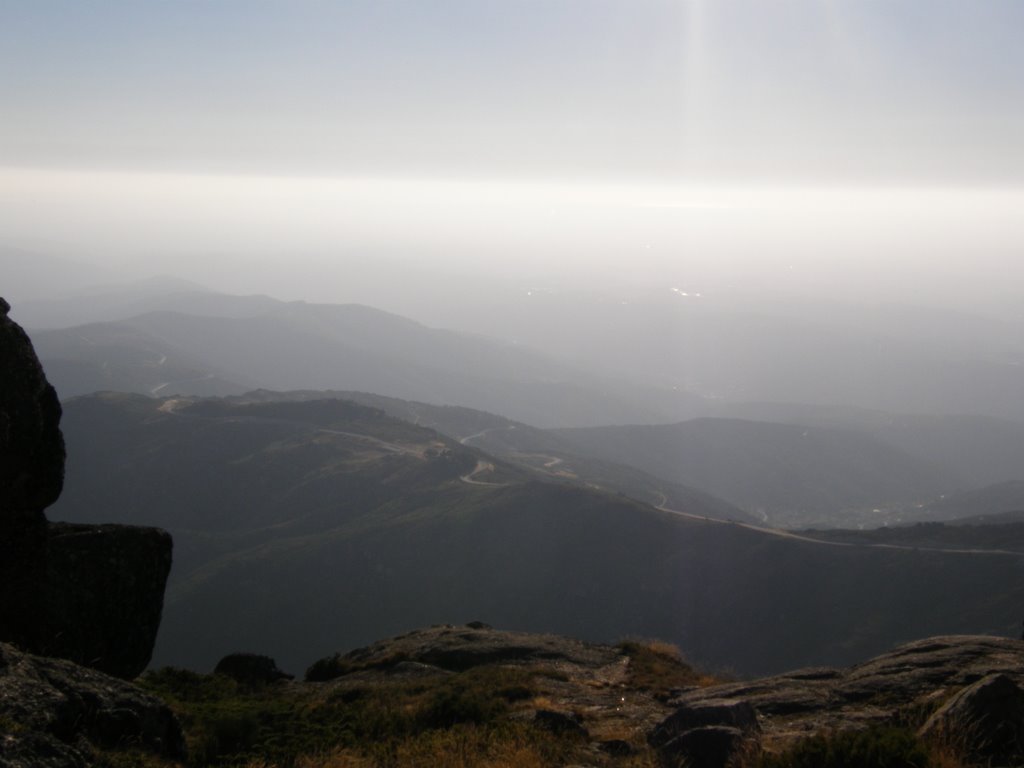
(520, 701)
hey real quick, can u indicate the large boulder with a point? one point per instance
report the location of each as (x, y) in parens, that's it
(986, 720)
(31, 445)
(56, 714)
(979, 678)
(91, 594)
(709, 746)
(705, 734)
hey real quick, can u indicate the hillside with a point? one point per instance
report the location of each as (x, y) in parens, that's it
(1003, 533)
(535, 450)
(975, 450)
(993, 501)
(788, 474)
(260, 342)
(119, 357)
(302, 527)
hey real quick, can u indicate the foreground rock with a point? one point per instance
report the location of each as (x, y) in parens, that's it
(31, 445)
(91, 594)
(963, 686)
(707, 733)
(581, 691)
(456, 649)
(56, 714)
(986, 720)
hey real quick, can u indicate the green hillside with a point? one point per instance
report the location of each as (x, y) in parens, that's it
(302, 528)
(789, 475)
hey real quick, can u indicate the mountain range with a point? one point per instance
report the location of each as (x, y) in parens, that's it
(302, 527)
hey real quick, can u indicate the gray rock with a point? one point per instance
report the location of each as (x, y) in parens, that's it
(92, 594)
(31, 444)
(733, 713)
(461, 648)
(710, 746)
(924, 665)
(878, 692)
(57, 713)
(986, 719)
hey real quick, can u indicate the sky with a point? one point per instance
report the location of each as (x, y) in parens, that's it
(530, 136)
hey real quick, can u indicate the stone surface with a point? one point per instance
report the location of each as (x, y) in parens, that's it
(91, 594)
(457, 648)
(31, 445)
(579, 687)
(710, 746)
(917, 676)
(56, 714)
(104, 595)
(986, 719)
(705, 733)
(734, 713)
(595, 687)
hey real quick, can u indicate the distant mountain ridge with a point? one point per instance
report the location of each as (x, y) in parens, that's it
(304, 527)
(296, 345)
(789, 474)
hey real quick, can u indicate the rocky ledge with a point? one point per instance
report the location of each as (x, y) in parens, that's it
(966, 691)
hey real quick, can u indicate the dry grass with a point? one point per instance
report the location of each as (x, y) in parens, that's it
(463, 747)
(659, 668)
(663, 648)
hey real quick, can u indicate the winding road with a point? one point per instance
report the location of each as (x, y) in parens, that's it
(481, 466)
(825, 543)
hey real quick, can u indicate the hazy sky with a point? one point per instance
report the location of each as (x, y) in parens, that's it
(807, 89)
(649, 134)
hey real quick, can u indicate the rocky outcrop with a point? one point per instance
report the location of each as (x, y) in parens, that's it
(963, 685)
(103, 595)
(56, 714)
(706, 733)
(31, 445)
(455, 648)
(986, 720)
(91, 594)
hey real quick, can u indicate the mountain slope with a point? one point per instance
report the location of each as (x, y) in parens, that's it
(789, 474)
(308, 346)
(120, 357)
(975, 450)
(536, 450)
(302, 528)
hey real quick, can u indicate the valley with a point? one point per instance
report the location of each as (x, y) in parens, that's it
(304, 524)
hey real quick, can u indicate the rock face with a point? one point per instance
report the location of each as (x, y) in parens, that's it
(91, 594)
(705, 733)
(985, 719)
(969, 685)
(55, 714)
(455, 649)
(31, 445)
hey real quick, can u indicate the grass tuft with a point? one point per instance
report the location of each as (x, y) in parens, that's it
(659, 668)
